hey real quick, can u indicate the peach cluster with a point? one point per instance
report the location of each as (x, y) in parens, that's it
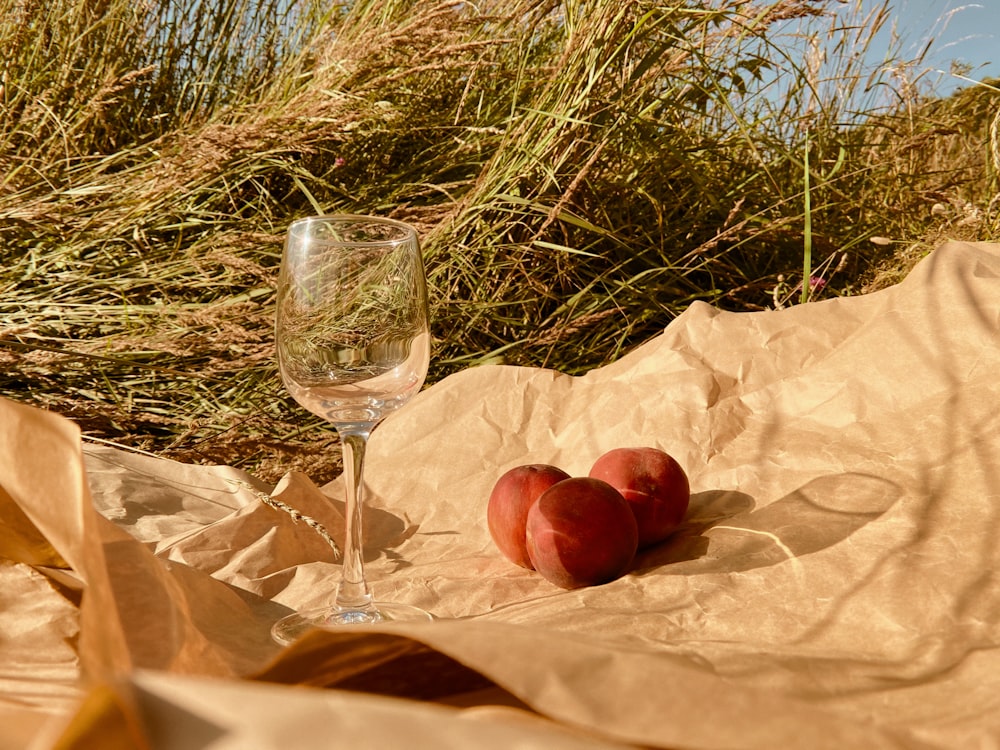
(584, 531)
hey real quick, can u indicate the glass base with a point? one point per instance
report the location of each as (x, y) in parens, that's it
(290, 628)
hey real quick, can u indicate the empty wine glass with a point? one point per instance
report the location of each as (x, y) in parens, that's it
(353, 345)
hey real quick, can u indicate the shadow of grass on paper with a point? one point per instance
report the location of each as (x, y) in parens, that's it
(818, 515)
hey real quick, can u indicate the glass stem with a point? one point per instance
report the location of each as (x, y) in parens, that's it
(353, 593)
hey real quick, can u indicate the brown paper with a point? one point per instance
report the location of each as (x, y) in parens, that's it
(835, 584)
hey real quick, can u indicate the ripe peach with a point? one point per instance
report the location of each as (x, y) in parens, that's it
(507, 509)
(654, 485)
(581, 532)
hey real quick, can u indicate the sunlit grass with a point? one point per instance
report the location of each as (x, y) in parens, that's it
(579, 172)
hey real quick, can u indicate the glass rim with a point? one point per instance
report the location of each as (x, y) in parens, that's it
(409, 233)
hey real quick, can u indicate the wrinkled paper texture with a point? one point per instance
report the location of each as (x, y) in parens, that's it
(836, 583)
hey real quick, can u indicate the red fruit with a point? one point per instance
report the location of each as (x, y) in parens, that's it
(507, 510)
(654, 485)
(581, 532)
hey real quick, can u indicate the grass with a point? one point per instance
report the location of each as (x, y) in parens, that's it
(579, 172)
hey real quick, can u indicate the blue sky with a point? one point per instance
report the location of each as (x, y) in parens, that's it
(962, 30)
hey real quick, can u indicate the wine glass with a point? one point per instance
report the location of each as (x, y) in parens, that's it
(353, 345)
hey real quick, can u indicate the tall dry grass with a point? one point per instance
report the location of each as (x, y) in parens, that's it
(580, 171)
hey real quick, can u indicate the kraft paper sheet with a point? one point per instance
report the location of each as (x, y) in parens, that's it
(836, 583)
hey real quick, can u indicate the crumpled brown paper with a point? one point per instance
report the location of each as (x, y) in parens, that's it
(836, 583)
